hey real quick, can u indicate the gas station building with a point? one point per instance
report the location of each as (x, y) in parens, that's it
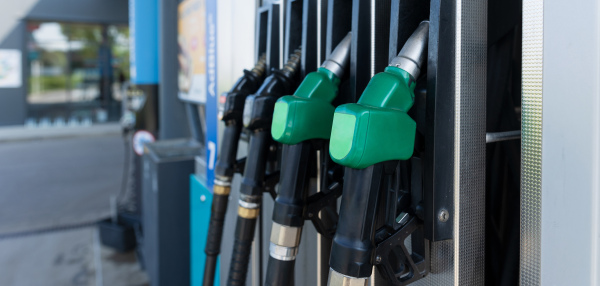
(62, 62)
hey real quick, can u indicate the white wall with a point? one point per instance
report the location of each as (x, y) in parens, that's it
(570, 143)
(236, 40)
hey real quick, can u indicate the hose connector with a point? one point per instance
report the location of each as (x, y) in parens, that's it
(412, 55)
(249, 206)
(338, 59)
(284, 242)
(339, 279)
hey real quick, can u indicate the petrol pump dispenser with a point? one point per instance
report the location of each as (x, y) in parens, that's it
(227, 162)
(302, 122)
(257, 117)
(370, 138)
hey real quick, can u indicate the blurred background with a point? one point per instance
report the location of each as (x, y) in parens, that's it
(84, 86)
(64, 68)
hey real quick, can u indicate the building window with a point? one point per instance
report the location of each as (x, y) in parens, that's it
(76, 72)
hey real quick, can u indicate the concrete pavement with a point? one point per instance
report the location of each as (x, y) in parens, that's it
(66, 258)
(58, 181)
(50, 180)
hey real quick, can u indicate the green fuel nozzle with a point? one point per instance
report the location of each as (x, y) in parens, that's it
(297, 118)
(378, 128)
(369, 137)
(308, 113)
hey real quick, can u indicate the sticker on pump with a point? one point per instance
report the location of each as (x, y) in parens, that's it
(140, 138)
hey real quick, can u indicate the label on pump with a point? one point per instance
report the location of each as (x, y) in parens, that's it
(140, 138)
(212, 103)
(192, 57)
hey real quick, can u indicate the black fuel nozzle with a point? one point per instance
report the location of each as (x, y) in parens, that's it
(246, 85)
(258, 109)
(225, 166)
(232, 116)
(303, 119)
(370, 138)
(258, 114)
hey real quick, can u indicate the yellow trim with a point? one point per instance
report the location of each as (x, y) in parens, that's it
(248, 213)
(221, 190)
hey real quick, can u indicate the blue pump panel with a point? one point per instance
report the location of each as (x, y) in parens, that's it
(200, 204)
(212, 123)
(143, 37)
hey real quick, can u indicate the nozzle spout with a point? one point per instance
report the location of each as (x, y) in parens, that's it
(259, 68)
(338, 59)
(293, 64)
(412, 55)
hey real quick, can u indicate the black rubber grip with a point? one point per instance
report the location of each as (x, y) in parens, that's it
(214, 237)
(215, 228)
(225, 166)
(353, 243)
(240, 258)
(289, 204)
(209, 270)
(280, 272)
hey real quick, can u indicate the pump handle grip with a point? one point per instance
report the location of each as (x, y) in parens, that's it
(215, 228)
(240, 258)
(280, 272)
(214, 237)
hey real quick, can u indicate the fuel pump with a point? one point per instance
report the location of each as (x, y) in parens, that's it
(227, 163)
(257, 117)
(302, 122)
(371, 138)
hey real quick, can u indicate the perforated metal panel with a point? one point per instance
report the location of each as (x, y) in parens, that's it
(460, 261)
(531, 142)
(469, 194)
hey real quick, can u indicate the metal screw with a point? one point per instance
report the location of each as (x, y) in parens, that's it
(378, 259)
(202, 198)
(443, 216)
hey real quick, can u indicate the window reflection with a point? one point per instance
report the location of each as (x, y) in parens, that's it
(76, 71)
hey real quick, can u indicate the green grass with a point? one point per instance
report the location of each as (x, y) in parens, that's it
(56, 82)
(48, 83)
